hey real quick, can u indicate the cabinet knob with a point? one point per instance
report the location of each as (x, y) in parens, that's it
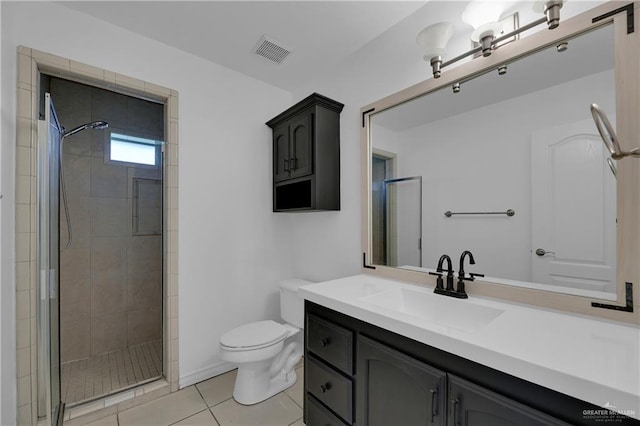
(324, 342)
(324, 388)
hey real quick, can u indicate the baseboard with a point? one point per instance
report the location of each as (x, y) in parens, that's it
(206, 373)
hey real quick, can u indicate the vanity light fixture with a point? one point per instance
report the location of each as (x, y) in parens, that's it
(502, 70)
(433, 41)
(551, 10)
(484, 17)
(456, 87)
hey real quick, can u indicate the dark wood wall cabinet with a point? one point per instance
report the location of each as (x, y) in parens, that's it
(306, 156)
(359, 374)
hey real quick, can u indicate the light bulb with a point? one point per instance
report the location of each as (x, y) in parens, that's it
(483, 16)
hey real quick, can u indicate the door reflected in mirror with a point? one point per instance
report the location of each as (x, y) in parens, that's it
(523, 141)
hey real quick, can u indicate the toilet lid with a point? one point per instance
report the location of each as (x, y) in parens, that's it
(260, 333)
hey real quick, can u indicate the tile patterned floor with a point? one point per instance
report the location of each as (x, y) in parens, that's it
(210, 403)
(107, 373)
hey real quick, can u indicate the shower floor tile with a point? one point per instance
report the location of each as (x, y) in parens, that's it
(107, 373)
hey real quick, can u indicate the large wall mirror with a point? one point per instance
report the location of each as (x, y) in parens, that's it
(510, 167)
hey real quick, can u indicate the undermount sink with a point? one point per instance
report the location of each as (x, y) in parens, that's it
(442, 310)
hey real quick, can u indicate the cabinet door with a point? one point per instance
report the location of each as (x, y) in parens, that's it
(395, 389)
(473, 405)
(281, 157)
(301, 160)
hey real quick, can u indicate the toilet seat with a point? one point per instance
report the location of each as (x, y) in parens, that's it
(255, 335)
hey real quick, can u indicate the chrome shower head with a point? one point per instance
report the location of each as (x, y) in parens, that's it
(93, 125)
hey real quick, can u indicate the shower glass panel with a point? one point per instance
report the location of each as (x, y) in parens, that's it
(111, 247)
(403, 218)
(49, 139)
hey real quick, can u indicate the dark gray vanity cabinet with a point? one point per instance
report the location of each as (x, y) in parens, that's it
(394, 389)
(328, 372)
(473, 405)
(306, 156)
(358, 373)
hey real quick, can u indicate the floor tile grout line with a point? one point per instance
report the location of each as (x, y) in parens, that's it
(190, 415)
(291, 398)
(295, 421)
(215, 419)
(195, 385)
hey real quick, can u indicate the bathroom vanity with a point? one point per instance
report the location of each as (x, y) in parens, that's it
(380, 351)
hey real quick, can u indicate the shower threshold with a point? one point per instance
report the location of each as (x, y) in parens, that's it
(106, 374)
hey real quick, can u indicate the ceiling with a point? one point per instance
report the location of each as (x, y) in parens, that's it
(322, 33)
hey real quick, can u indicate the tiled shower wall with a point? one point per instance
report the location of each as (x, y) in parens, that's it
(110, 276)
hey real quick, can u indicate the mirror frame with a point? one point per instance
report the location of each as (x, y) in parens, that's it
(627, 76)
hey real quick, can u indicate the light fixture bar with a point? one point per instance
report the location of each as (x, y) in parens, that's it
(462, 56)
(496, 41)
(519, 30)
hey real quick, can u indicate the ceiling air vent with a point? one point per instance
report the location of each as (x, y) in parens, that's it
(271, 49)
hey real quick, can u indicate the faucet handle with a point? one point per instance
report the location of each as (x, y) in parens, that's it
(439, 282)
(472, 276)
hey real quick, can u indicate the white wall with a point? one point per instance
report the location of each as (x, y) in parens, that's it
(233, 249)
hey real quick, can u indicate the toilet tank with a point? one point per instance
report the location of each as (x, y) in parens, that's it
(292, 305)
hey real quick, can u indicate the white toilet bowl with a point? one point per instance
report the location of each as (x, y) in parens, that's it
(266, 365)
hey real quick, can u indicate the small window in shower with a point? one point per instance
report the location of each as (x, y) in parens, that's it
(133, 149)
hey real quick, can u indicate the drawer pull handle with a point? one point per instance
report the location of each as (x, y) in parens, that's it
(325, 342)
(455, 411)
(324, 388)
(434, 403)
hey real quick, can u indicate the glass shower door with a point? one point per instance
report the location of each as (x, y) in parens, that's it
(49, 143)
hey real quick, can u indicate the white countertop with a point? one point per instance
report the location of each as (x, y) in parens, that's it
(593, 360)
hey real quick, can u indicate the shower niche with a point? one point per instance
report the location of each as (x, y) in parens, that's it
(306, 156)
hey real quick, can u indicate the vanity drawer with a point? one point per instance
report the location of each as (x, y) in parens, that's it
(331, 388)
(318, 415)
(330, 342)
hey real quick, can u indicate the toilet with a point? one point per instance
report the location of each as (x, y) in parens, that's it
(266, 360)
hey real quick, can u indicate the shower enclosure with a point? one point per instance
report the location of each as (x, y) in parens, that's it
(403, 220)
(101, 223)
(396, 214)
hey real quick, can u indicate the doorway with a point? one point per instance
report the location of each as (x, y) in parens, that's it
(110, 233)
(32, 64)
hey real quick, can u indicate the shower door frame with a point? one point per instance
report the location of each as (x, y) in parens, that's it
(48, 240)
(394, 223)
(31, 64)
